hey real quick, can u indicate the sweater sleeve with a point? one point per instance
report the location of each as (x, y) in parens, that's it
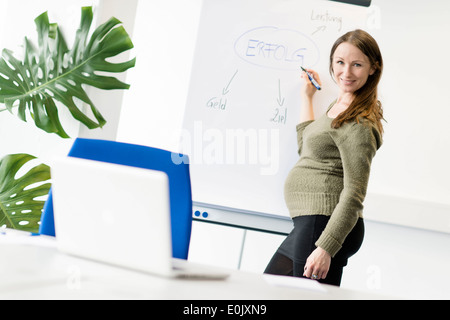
(300, 128)
(357, 147)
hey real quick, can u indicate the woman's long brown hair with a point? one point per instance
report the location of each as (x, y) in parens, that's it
(366, 103)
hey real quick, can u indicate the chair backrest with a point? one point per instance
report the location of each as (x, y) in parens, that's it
(142, 157)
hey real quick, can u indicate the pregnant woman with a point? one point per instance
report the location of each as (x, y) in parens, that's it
(325, 190)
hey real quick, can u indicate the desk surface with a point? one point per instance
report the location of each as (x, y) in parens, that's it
(33, 268)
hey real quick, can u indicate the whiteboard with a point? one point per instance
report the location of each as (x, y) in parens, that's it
(243, 102)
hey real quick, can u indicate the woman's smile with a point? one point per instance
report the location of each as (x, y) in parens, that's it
(347, 82)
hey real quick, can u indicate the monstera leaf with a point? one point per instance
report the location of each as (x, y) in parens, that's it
(18, 207)
(55, 73)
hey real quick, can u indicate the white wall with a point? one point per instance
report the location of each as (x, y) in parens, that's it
(402, 262)
(164, 39)
(413, 161)
(410, 170)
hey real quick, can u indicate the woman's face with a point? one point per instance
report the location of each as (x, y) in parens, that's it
(351, 67)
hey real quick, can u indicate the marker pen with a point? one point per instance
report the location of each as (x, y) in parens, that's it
(313, 81)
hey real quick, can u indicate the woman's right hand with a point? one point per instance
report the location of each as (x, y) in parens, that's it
(307, 92)
(308, 89)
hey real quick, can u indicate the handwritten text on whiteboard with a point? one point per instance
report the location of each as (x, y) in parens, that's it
(275, 48)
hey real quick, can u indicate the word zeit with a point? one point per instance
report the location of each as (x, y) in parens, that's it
(239, 310)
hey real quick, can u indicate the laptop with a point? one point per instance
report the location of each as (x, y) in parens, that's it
(119, 215)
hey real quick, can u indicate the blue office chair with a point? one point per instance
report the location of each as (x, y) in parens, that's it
(143, 157)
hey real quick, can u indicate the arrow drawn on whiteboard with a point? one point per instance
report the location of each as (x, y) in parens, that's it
(226, 89)
(321, 28)
(280, 100)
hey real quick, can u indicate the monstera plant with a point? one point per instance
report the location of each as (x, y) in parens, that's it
(19, 206)
(49, 77)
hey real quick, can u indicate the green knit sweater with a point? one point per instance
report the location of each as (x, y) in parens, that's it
(331, 176)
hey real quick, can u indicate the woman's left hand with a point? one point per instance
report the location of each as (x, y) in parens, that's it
(317, 264)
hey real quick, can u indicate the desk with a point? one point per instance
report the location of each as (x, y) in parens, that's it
(33, 268)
